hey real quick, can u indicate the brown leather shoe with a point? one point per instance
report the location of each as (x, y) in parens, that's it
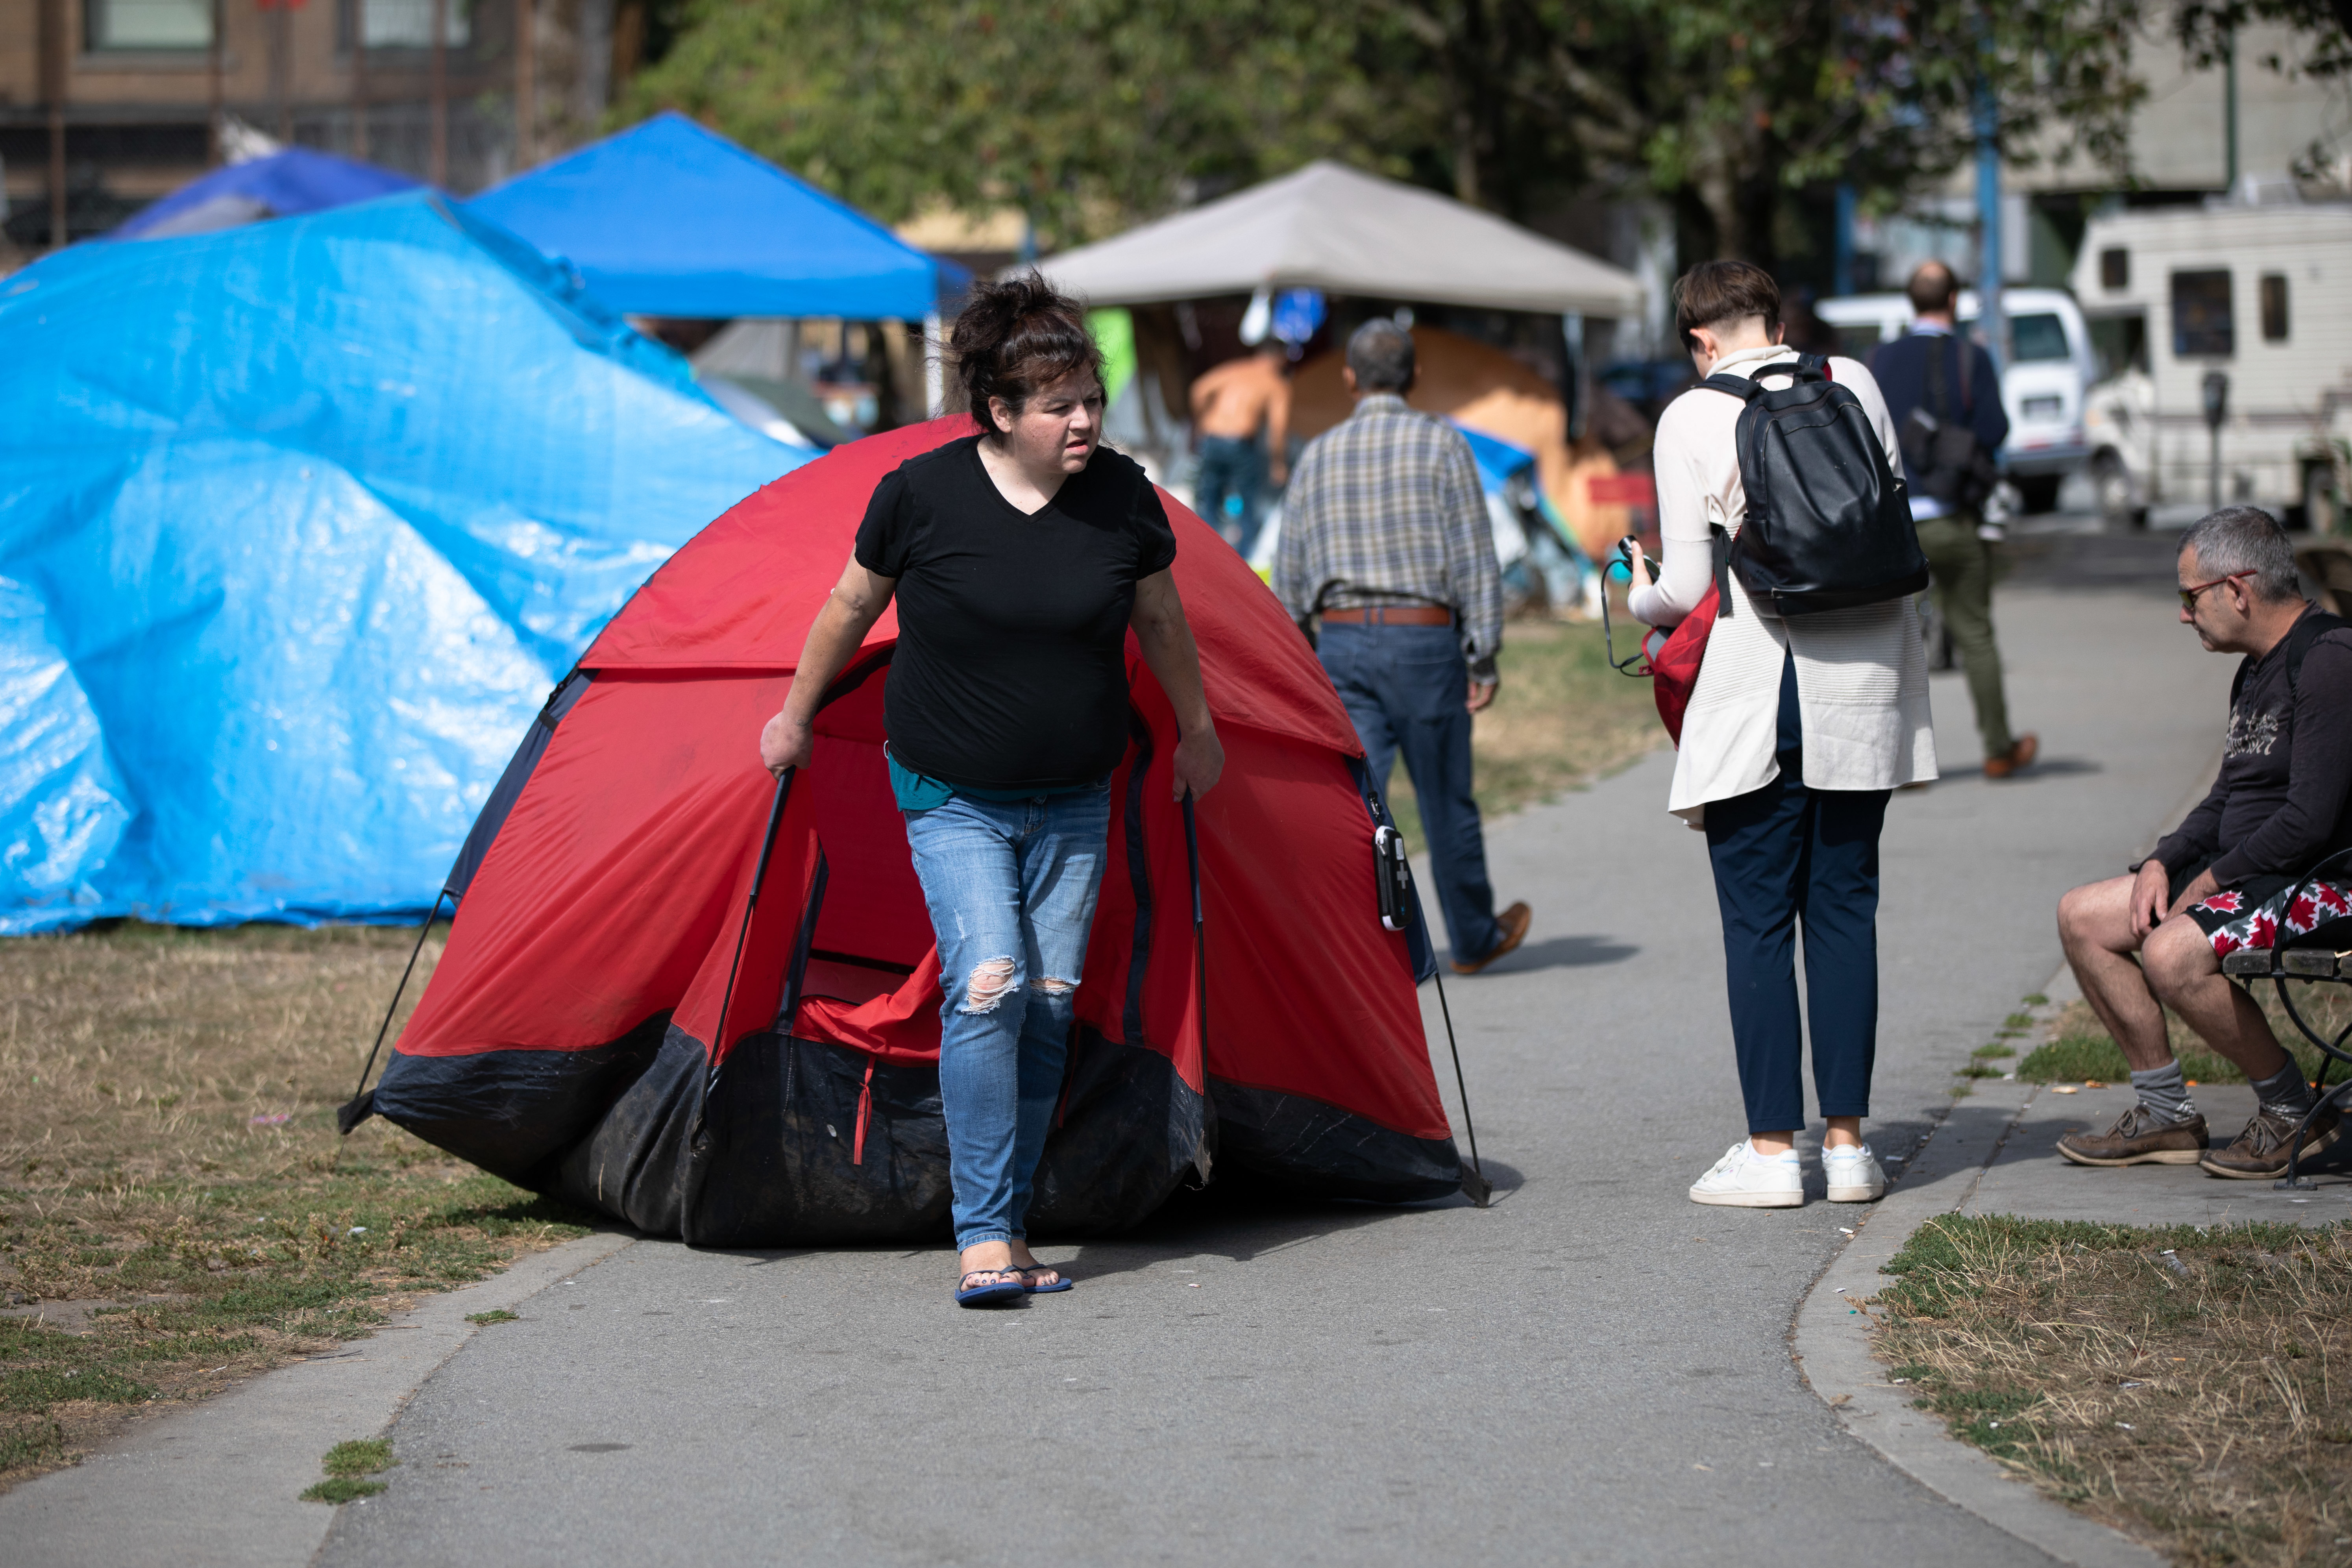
(1514, 921)
(2137, 1138)
(2019, 755)
(2260, 1153)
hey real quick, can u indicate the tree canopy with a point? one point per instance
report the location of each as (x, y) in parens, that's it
(1091, 114)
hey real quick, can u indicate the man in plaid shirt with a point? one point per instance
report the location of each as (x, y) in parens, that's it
(1385, 537)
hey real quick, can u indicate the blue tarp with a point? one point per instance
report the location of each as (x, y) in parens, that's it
(298, 524)
(1497, 459)
(669, 220)
(283, 185)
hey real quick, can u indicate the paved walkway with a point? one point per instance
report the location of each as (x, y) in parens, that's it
(1594, 1371)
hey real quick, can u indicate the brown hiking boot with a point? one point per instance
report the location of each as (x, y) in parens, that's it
(1514, 921)
(2019, 755)
(2137, 1138)
(2260, 1153)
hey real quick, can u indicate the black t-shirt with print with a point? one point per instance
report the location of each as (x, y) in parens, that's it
(1011, 672)
(2284, 797)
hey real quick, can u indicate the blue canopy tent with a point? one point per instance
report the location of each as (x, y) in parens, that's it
(1529, 537)
(298, 524)
(669, 220)
(283, 185)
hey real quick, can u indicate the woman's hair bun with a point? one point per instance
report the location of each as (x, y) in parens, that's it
(1015, 338)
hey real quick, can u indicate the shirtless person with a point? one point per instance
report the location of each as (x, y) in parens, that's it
(1229, 403)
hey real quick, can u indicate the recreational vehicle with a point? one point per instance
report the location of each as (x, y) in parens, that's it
(2049, 367)
(2253, 290)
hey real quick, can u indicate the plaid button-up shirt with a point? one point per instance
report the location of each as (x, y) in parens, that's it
(1386, 509)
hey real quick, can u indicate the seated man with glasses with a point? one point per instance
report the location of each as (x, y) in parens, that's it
(2222, 879)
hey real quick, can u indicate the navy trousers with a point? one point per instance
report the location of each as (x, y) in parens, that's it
(1786, 855)
(1406, 687)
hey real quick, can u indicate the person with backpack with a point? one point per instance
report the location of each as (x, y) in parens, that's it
(1944, 393)
(1789, 548)
(2226, 877)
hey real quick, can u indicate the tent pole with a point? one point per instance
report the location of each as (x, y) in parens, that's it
(935, 370)
(359, 80)
(1200, 931)
(758, 875)
(439, 163)
(1484, 1189)
(350, 1115)
(526, 89)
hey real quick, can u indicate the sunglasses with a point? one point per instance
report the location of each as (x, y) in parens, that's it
(2189, 594)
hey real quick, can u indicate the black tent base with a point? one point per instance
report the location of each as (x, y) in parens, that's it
(798, 1143)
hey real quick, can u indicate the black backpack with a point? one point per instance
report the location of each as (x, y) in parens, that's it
(1829, 524)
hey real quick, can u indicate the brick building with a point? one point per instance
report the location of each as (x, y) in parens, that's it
(107, 104)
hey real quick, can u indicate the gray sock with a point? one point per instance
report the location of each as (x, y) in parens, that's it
(2286, 1090)
(2165, 1093)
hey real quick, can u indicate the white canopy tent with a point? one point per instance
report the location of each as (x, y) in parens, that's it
(1339, 229)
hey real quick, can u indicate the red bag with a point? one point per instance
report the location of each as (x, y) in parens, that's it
(1674, 662)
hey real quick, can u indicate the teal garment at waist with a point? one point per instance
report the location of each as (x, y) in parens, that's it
(919, 792)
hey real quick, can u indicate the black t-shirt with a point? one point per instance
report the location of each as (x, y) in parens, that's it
(2284, 797)
(1011, 672)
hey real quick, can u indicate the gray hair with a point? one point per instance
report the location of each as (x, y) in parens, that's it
(1380, 353)
(2245, 539)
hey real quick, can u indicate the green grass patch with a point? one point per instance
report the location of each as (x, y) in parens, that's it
(361, 1457)
(348, 1466)
(1993, 1052)
(1981, 1069)
(2018, 1021)
(2083, 1050)
(2036, 1000)
(495, 1315)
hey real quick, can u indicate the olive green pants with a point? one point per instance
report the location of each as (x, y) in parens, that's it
(1962, 564)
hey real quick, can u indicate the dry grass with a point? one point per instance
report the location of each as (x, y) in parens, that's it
(175, 1207)
(1562, 718)
(2192, 1387)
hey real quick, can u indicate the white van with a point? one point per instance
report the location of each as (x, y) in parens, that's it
(2050, 368)
(2253, 290)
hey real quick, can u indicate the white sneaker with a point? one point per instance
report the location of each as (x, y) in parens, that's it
(1853, 1174)
(1743, 1179)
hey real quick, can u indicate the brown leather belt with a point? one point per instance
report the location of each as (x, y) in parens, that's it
(1390, 615)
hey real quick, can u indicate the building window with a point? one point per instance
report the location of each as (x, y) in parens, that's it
(2274, 307)
(147, 23)
(408, 23)
(2114, 269)
(2201, 324)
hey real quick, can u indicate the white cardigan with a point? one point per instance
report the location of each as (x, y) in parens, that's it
(1862, 674)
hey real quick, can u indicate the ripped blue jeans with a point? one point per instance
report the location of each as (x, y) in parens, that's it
(1010, 886)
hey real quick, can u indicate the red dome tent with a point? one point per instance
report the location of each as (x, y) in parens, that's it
(571, 1038)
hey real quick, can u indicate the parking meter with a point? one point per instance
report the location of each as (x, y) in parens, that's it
(2217, 409)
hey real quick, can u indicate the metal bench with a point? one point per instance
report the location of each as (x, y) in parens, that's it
(2311, 963)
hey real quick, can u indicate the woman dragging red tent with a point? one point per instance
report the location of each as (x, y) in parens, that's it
(1020, 556)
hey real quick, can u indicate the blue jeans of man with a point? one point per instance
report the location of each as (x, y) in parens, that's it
(1406, 687)
(1011, 888)
(1230, 487)
(1786, 855)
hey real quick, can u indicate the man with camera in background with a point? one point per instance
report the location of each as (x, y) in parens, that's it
(1944, 393)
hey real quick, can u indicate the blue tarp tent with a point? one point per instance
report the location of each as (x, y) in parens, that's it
(283, 185)
(298, 524)
(669, 220)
